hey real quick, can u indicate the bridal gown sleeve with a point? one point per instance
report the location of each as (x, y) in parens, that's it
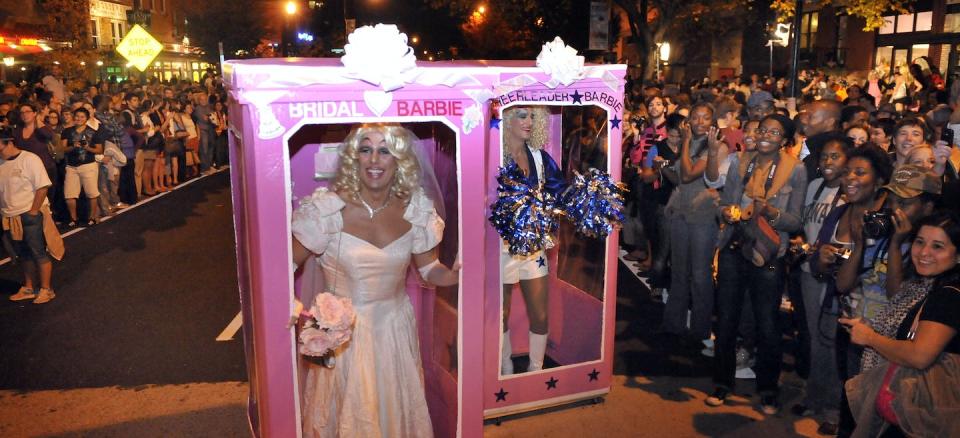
(318, 220)
(427, 224)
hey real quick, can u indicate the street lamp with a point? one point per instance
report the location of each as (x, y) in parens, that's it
(663, 55)
(664, 52)
(289, 9)
(7, 62)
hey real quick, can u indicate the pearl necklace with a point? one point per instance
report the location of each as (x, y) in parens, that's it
(372, 211)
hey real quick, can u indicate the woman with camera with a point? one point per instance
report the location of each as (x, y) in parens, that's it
(763, 194)
(82, 168)
(867, 170)
(824, 194)
(921, 349)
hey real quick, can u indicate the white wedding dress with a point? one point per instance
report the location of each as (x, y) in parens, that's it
(376, 387)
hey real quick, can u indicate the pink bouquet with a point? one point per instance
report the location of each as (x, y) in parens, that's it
(328, 325)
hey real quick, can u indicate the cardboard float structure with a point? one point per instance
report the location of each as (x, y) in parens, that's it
(287, 116)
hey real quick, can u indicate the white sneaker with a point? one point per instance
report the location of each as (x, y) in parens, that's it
(746, 373)
(45, 296)
(23, 294)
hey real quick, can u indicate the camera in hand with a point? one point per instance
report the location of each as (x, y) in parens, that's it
(843, 254)
(849, 306)
(799, 253)
(877, 224)
(638, 121)
(662, 163)
(947, 136)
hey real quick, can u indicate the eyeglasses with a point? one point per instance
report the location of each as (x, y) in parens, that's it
(775, 132)
(26, 111)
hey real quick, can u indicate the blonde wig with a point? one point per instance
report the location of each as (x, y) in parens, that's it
(541, 123)
(401, 143)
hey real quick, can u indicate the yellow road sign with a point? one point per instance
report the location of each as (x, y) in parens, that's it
(139, 47)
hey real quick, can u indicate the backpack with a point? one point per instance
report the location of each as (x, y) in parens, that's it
(127, 145)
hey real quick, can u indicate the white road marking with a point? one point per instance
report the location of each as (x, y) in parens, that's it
(634, 269)
(231, 330)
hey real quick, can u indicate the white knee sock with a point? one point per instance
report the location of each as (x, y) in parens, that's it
(538, 347)
(506, 360)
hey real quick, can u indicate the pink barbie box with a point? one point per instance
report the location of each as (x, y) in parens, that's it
(287, 119)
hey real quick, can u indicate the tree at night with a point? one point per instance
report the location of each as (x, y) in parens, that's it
(68, 21)
(238, 24)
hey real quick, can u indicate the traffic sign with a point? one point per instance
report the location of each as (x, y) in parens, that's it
(139, 47)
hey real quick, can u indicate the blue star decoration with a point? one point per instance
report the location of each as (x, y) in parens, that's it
(594, 375)
(552, 383)
(541, 262)
(577, 96)
(502, 395)
(494, 123)
(615, 122)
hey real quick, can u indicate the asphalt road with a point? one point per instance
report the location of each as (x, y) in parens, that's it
(140, 300)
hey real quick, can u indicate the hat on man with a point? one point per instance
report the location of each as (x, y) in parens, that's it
(909, 181)
(6, 134)
(758, 97)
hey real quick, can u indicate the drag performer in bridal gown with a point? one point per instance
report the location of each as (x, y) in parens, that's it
(364, 232)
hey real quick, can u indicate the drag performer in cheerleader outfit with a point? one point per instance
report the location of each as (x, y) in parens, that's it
(524, 137)
(378, 216)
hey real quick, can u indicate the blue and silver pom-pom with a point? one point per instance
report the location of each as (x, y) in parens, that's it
(523, 216)
(594, 203)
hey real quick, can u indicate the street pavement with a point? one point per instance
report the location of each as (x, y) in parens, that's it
(128, 348)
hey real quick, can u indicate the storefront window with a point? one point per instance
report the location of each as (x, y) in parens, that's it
(884, 55)
(920, 50)
(900, 59)
(944, 58)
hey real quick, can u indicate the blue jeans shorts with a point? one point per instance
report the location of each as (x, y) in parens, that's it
(33, 246)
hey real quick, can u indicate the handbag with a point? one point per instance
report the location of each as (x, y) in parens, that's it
(761, 242)
(192, 143)
(156, 142)
(922, 402)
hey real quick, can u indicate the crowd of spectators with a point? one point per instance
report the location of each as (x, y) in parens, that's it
(833, 205)
(113, 143)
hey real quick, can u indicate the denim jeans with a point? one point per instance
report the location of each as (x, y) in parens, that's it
(661, 252)
(33, 246)
(691, 280)
(737, 278)
(823, 384)
(107, 196)
(207, 138)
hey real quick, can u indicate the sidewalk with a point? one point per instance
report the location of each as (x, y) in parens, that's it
(664, 406)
